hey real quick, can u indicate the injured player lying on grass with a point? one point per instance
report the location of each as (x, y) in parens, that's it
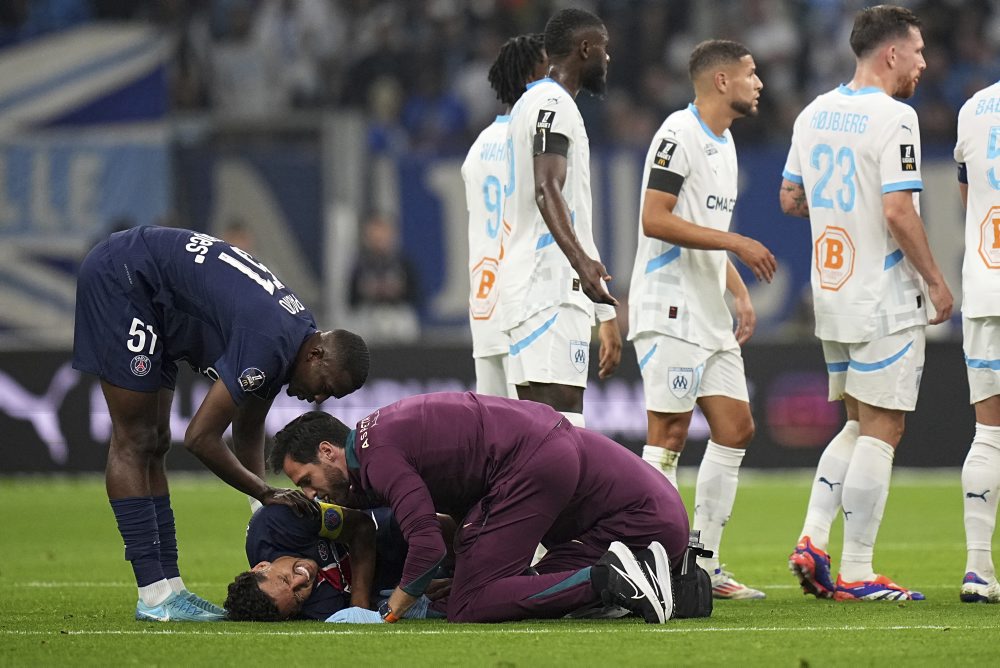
(329, 569)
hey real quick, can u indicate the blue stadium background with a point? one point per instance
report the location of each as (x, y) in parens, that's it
(299, 118)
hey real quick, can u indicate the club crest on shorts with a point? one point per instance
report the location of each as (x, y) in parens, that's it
(579, 355)
(251, 379)
(140, 365)
(680, 380)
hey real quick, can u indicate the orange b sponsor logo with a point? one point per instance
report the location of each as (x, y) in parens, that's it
(989, 238)
(484, 293)
(834, 256)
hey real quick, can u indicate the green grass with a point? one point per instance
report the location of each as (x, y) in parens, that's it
(67, 598)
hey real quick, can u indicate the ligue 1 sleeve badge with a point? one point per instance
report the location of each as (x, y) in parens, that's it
(140, 365)
(252, 379)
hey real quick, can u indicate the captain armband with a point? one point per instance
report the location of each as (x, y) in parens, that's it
(331, 520)
(664, 181)
(550, 142)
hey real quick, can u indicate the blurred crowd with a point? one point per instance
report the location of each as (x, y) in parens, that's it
(417, 68)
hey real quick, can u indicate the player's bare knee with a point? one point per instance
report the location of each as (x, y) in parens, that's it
(135, 440)
(162, 442)
(746, 431)
(736, 433)
(668, 430)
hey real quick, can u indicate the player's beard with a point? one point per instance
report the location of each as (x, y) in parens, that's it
(743, 108)
(906, 89)
(338, 487)
(594, 80)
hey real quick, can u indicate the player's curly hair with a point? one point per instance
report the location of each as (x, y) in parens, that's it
(873, 26)
(245, 601)
(562, 27)
(514, 65)
(301, 437)
(714, 53)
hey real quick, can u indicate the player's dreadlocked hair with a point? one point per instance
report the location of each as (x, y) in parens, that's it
(561, 28)
(301, 437)
(875, 25)
(247, 603)
(514, 66)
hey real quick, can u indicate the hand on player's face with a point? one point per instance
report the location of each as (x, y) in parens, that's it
(288, 582)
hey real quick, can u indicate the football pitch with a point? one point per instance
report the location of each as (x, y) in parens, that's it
(67, 597)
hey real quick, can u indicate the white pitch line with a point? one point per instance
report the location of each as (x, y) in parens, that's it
(340, 630)
(77, 583)
(54, 584)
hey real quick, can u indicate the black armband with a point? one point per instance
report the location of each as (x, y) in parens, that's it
(963, 173)
(551, 142)
(665, 181)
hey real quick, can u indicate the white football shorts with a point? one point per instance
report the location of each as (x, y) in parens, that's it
(981, 343)
(884, 372)
(551, 346)
(676, 373)
(491, 376)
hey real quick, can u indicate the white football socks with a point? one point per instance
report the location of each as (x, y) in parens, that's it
(828, 485)
(156, 593)
(176, 584)
(663, 460)
(715, 492)
(575, 419)
(980, 489)
(866, 488)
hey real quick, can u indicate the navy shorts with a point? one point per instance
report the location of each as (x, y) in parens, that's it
(116, 335)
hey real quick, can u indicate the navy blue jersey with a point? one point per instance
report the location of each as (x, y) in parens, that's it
(276, 531)
(151, 296)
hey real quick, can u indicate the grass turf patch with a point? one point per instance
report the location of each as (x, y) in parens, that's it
(67, 596)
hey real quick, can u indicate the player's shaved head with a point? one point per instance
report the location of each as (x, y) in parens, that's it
(711, 55)
(874, 26)
(350, 353)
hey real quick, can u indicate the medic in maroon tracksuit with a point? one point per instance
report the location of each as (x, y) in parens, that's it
(513, 474)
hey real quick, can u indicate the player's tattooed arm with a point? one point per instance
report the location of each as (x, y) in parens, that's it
(793, 199)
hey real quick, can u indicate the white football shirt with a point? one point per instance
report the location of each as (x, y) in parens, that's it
(681, 291)
(489, 180)
(979, 148)
(536, 273)
(849, 148)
